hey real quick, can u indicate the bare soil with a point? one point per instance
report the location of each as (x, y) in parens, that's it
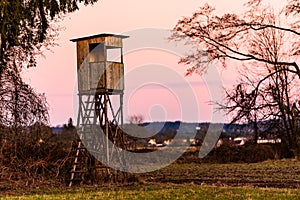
(276, 174)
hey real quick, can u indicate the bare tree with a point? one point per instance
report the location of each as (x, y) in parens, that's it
(227, 37)
(136, 119)
(20, 106)
(266, 45)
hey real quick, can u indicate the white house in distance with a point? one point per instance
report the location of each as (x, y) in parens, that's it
(243, 140)
(268, 141)
(152, 142)
(240, 140)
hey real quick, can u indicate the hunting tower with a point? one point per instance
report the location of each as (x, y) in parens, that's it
(100, 75)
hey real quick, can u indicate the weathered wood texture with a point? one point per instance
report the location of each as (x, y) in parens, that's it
(92, 62)
(113, 41)
(83, 50)
(111, 78)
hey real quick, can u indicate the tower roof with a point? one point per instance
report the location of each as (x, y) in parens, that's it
(99, 35)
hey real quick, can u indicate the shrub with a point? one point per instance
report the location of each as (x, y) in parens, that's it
(35, 153)
(229, 152)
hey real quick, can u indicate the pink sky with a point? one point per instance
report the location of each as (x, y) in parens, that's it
(56, 73)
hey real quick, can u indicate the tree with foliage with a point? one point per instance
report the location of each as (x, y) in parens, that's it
(266, 44)
(25, 27)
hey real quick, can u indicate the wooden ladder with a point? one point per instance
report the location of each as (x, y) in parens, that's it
(82, 158)
(85, 166)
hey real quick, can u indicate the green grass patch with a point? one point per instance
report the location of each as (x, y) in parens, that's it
(166, 191)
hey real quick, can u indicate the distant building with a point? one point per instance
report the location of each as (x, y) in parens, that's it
(152, 142)
(243, 140)
(268, 141)
(240, 140)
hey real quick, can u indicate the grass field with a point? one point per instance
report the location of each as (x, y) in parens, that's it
(167, 191)
(265, 180)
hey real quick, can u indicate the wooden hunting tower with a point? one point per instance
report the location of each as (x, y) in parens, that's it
(96, 68)
(100, 74)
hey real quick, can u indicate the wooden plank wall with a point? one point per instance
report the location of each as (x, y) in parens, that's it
(91, 68)
(83, 49)
(113, 41)
(97, 75)
(115, 76)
